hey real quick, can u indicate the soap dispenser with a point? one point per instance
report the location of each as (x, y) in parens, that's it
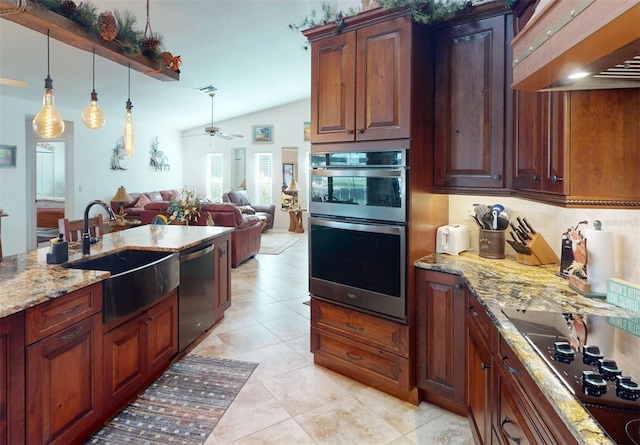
(58, 250)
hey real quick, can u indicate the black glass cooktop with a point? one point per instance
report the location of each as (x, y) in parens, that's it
(597, 358)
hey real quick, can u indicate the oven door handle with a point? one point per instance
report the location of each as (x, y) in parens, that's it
(366, 227)
(363, 172)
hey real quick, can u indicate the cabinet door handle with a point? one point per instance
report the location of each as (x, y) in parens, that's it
(354, 327)
(360, 130)
(354, 356)
(70, 335)
(349, 131)
(555, 179)
(473, 311)
(511, 369)
(496, 177)
(70, 310)
(457, 287)
(504, 431)
(483, 366)
(149, 321)
(534, 178)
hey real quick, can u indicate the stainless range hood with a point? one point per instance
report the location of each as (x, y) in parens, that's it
(600, 37)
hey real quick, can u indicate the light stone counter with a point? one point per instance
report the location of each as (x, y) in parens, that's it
(27, 280)
(506, 283)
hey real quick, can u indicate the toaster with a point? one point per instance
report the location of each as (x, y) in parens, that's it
(452, 239)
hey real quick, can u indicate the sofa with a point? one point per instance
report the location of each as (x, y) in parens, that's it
(140, 200)
(241, 199)
(245, 239)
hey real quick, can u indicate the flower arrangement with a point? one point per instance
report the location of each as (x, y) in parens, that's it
(185, 208)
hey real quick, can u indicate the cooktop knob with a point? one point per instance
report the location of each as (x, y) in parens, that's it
(609, 369)
(562, 352)
(593, 383)
(626, 388)
(591, 354)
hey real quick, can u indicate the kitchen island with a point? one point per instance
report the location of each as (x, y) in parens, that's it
(67, 367)
(505, 284)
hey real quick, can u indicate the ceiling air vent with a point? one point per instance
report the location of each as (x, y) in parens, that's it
(208, 89)
(629, 69)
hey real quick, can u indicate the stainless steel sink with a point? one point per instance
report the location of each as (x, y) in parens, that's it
(138, 278)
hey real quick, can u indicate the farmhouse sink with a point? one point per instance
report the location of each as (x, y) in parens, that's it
(138, 278)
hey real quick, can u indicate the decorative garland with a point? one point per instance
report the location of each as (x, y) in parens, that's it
(117, 27)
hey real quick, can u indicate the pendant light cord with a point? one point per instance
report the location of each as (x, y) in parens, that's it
(129, 90)
(48, 32)
(94, 70)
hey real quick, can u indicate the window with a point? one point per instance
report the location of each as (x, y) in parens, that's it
(264, 167)
(214, 177)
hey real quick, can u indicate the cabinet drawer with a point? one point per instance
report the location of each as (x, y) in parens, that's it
(377, 332)
(360, 361)
(511, 424)
(50, 317)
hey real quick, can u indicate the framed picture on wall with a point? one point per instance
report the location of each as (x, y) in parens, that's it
(262, 134)
(307, 131)
(287, 174)
(7, 155)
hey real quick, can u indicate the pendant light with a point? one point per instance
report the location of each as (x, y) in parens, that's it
(92, 116)
(48, 123)
(128, 123)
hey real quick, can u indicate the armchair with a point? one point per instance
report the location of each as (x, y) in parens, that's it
(241, 199)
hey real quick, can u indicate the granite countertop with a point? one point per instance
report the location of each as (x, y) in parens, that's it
(27, 280)
(505, 283)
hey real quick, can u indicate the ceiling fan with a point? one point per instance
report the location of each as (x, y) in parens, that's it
(215, 131)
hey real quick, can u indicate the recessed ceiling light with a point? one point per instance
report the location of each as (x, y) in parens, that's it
(578, 75)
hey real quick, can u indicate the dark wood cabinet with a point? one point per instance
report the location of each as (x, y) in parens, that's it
(472, 100)
(12, 389)
(64, 367)
(139, 349)
(361, 84)
(578, 148)
(440, 339)
(479, 364)
(363, 347)
(223, 276)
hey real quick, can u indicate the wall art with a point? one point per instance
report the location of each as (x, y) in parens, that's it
(7, 155)
(262, 134)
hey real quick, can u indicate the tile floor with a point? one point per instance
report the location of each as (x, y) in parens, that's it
(288, 399)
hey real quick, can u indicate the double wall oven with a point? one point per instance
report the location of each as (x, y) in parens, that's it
(358, 229)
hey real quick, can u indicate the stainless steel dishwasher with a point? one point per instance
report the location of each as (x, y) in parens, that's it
(196, 293)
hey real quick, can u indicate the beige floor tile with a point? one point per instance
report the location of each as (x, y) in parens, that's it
(287, 432)
(274, 360)
(271, 312)
(304, 389)
(248, 338)
(404, 440)
(289, 328)
(346, 421)
(448, 429)
(403, 416)
(212, 346)
(253, 409)
(302, 346)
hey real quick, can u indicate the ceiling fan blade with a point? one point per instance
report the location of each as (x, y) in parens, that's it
(225, 136)
(234, 135)
(13, 82)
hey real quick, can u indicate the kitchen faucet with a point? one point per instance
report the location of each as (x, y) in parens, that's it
(86, 237)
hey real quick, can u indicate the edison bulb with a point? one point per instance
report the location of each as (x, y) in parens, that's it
(128, 131)
(48, 123)
(92, 116)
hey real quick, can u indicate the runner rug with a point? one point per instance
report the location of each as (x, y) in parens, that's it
(274, 243)
(182, 406)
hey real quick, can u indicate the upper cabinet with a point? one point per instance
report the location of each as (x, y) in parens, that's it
(361, 84)
(472, 104)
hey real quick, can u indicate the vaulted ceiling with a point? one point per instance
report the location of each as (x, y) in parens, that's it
(243, 47)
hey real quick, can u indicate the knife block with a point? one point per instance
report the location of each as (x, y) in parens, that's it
(541, 252)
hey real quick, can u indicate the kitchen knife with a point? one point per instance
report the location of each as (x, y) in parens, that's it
(516, 246)
(523, 228)
(529, 226)
(518, 232)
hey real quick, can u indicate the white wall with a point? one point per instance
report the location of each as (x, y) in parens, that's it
(288, 123)
(89, 174)
(552, 221)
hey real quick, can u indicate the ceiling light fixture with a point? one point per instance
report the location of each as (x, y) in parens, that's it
(128, 123)
(48, 123)
(578, 75)
(92, 116)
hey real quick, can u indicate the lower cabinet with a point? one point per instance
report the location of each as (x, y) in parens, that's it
(64, 367)
(136, 351)
(223, 276)
(12, 419)
(366, 348)
(440, 339)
